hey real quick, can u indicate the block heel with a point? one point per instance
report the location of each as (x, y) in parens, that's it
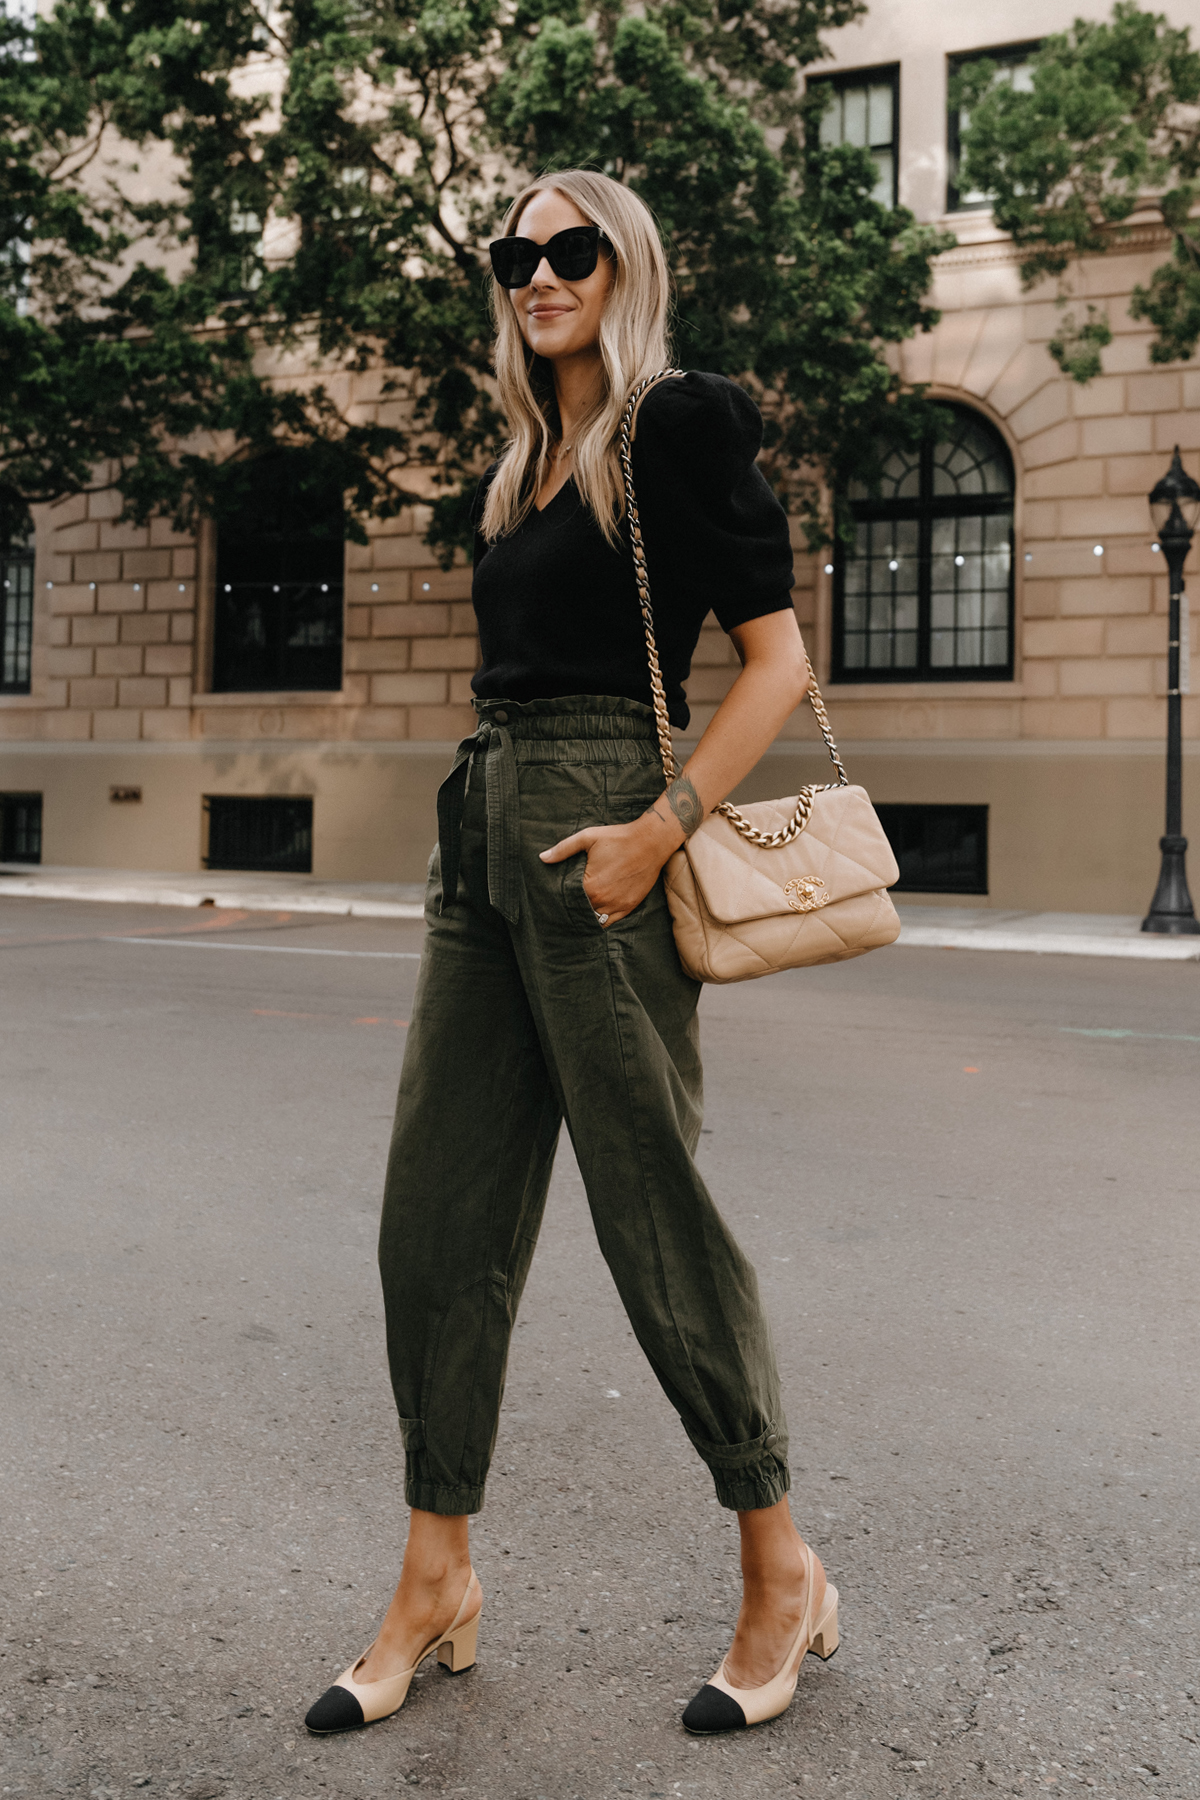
(825, 1637)
(457, 1652)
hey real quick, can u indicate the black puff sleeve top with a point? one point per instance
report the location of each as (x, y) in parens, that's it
(557, 604)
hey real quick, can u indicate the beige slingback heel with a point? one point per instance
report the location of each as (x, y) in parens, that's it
(350, 1704)
(719, 1706)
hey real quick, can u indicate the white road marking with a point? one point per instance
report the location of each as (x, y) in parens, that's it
(1103, 1031)
(276, 949)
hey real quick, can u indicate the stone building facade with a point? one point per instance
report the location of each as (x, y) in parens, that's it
(121, 734)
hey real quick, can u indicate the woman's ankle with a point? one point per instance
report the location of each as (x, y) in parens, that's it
(438, 1549)
(772, 1550)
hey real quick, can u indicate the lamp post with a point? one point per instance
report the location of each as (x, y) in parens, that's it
(1174, 507)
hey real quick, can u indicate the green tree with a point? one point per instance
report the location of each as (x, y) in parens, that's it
(1108, 128)
(131, 356)
(325, 176)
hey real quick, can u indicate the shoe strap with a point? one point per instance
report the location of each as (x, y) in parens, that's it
(807, 1624)
(347, 1680)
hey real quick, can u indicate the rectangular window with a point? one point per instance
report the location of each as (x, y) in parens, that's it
(16, 619)
(1014, 69)
(865, 111)
(940, 849)
(277, 621)
(270, 834)
(20, 828)
(881, 596)
(280, 636)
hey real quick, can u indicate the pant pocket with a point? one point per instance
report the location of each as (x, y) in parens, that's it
(412, 1431)
(579, 908)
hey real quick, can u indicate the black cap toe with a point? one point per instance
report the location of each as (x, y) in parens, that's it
(336, 1710)
(713, 1710)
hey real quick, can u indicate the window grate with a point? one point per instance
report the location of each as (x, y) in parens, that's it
(266, 833)
(21, 828)
(16, 620)
(940, 849)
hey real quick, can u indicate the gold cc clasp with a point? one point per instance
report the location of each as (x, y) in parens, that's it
(805, 893)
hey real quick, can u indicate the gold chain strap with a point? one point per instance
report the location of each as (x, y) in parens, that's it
(766, 840)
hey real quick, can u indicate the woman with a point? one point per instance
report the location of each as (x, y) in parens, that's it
(550, 988)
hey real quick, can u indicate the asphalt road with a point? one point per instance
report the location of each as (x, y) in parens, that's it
(970, 1183)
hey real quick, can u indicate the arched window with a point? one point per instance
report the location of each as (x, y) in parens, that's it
(277, 622)
(926, 592)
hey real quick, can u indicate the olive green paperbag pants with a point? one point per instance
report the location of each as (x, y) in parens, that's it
(528, 1013)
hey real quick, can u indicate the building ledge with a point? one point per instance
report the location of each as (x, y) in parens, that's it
(927, 691)
(277, 697)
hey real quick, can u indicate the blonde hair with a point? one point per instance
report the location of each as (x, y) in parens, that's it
(632, 343)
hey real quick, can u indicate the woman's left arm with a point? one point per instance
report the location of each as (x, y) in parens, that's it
(624, 861)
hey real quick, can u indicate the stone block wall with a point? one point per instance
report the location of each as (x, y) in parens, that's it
(122, 629)
(1091, 591)
(123, 625)
(114, 629)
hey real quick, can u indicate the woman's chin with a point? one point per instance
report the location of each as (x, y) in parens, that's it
(552, 343)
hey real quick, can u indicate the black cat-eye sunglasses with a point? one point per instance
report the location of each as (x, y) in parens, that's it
(572, 254)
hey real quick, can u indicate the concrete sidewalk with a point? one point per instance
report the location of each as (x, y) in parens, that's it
(1047, 933)
(258, 893)
(925, 927)
(929, 927)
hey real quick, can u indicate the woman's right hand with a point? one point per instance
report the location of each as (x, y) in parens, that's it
(623, 861)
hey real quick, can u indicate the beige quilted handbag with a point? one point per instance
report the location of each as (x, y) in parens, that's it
(782, 884)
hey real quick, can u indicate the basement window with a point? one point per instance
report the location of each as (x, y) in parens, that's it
(20, 828)
(940, 849)
(269, 834)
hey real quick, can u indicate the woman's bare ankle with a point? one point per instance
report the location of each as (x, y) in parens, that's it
(431, 1574)
(433, 1580)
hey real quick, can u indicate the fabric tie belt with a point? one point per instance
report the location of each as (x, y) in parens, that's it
(492, 746)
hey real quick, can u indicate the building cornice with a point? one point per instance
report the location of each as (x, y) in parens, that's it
(1000, 248)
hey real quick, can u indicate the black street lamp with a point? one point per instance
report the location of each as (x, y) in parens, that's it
(1174, 506)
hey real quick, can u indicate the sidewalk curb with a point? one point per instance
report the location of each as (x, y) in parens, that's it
(131, 892)
(1042, 935)
(1050, 943)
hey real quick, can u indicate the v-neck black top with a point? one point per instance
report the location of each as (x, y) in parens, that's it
(557, 604)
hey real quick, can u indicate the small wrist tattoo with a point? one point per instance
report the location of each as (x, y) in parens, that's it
(685, 803)
(654, 809)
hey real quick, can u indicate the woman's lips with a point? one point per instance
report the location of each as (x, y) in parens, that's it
(548, 312)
